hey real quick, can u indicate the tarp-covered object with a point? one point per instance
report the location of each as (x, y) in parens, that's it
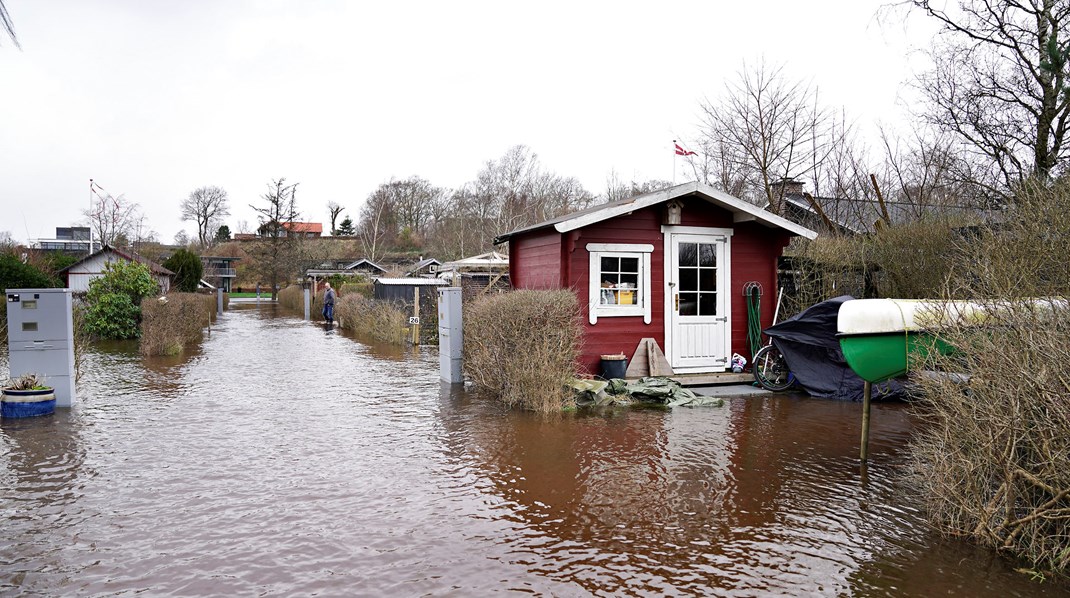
(809, 344)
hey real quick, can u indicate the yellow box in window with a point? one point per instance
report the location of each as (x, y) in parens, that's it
(626, 298)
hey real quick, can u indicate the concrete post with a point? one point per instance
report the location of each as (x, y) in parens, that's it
(306, 286)
(219, 301)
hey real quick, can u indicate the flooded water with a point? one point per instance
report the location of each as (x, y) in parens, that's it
(281, 459)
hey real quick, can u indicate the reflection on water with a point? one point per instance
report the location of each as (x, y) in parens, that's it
(284, 458)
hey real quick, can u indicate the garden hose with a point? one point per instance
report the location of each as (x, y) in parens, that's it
(754, 319)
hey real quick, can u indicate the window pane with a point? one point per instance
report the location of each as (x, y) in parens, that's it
(688, 254)
(629, 280)
(688, 279)
(607, 297)
(611, 264)
(629, 264)
(708, 255)
(688, 304)
(707, 279)
(627, 297)
(707, 304)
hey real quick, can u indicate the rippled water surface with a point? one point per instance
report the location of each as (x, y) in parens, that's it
(284, 459)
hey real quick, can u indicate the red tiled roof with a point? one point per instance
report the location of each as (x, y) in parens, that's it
(303, 227)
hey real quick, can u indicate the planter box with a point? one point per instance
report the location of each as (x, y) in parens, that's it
(27, 403)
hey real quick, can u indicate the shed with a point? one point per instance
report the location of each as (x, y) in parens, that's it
(79, 274)
(669, 265)
(403, 290)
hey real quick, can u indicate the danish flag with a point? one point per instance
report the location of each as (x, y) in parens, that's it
(681, 151)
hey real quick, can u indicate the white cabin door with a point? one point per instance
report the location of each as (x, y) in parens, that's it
(697, 303)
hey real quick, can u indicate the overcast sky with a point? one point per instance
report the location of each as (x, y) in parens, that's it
(153, 99)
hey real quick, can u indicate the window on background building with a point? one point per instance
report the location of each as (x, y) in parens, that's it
(620, 280)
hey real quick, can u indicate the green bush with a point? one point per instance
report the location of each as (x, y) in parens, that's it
(16, 275)
(522, 347)
(188, 270)
(113, 316)
(113, 301)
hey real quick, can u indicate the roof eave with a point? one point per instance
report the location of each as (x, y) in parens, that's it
(741, 210)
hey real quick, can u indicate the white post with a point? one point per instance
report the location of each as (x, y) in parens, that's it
(450, 335)
(308, 302)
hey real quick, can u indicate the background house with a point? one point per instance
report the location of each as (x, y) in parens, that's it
(69, 239)
(289, 229)
(670, 265)
(219, 271)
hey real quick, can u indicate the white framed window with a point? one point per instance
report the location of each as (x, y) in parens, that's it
(620, 280)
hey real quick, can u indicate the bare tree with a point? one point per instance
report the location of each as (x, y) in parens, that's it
(378, 223)
(999, 82)
(277, 251)
(766, 129)
(7, 25)
(206, 206)
(110, 217)
(334, 210)
(616, 189)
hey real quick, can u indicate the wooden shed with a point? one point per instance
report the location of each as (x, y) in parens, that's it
(79, 274)
(669, 265)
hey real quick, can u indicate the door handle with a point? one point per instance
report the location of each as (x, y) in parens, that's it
(676, 299)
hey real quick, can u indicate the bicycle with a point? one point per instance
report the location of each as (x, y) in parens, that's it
(771, 369)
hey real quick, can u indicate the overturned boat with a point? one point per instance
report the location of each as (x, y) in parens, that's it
(883, 338)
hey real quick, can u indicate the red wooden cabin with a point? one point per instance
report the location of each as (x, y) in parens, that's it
(670, 265)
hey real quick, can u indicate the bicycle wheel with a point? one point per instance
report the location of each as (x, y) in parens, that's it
(771, 370)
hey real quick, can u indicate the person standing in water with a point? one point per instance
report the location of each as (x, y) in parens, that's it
(328, 303)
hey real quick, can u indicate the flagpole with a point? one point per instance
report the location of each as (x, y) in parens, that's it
(674, 163)
(91, 217)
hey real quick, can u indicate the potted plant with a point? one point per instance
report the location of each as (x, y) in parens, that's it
(27, 396)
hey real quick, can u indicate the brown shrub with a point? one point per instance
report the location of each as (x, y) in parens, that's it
(365, 289)
(292, 297)
(522, 347)
(170, 324)
(992, 459)
(906, 261)
(380, 320)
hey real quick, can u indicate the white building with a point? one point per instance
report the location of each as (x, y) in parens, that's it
(84, 271)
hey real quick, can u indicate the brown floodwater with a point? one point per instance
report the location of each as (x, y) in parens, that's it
(282, 459)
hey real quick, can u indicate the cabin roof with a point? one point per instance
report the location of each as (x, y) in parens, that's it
(365, 261)
(742, 211)
(410, 281)
(131, 257)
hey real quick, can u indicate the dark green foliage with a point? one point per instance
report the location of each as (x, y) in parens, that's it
(113, 301)
(16, 275)
(223, 234)
(188, 270)
(112, 316)
(346, 227)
